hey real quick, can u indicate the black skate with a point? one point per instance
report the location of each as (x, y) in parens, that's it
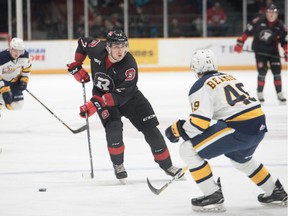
(281, 98)
(211, 203)
(120, 173)
(260, 97)
(175, 172)
(277, 198)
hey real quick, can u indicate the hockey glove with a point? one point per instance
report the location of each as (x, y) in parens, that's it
(23, 81)
(286, 52)
(96, 103)
(175, 131)
(81, 75)
(239, 46)
(7, 96)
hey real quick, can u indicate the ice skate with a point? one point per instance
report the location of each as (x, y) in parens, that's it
(281, 98)
(277, 198)
(175, 172)
(120, 173)
(260, 96)
(210, 203)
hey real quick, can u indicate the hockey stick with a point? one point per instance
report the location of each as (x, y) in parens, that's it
(158, 191)
(88, 133)
(263, 54)
(73, 131)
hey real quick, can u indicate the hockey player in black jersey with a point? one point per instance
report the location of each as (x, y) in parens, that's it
(115, 94)
(268, 32)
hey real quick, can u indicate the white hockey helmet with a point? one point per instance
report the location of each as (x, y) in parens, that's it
(17, 44)
(203, 61)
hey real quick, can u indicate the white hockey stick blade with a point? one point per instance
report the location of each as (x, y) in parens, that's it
(158, 191)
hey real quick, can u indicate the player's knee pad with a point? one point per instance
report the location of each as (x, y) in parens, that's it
(277, 77)
(276, 67)
(247, 167)
(114, 125)
(189, 155)
(114, 131)
(151, 134)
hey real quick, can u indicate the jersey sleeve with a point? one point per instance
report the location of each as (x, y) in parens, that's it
(283, 35)
(26, 68)
(201, 102)
(84, 44)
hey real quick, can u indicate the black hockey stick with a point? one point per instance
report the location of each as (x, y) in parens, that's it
(88, 133)
(263, 54)
(158, 191)
(73, 131)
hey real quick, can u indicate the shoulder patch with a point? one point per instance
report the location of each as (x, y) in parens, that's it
(130, 74)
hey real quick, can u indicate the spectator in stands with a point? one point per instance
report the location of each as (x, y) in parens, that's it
(216, 20)
(60, 28)
(139, 25)
(139, 3)
(253, 7)
(79, 28)
(175, 29)
(97, 28)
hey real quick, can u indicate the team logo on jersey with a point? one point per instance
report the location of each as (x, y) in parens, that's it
(9, 69)
(130, 74)
(105, 114)
(93, 43)
(97, 61)
(265, 35)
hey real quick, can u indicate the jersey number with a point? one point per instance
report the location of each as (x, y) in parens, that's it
(238, 94)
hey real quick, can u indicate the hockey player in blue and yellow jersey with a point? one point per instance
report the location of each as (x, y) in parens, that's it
(15, 66)
(225, 120)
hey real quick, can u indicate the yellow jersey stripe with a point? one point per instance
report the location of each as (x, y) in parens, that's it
(214, 137)
(248, 115)
(199, 122)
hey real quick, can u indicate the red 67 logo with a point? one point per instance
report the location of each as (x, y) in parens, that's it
(105, 114)
(130, 74)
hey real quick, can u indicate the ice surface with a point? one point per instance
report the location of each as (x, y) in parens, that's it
(39, 152)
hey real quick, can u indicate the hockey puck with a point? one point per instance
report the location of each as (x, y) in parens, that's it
(42, 190)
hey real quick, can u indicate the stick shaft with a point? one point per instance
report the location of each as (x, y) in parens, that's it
(88, 132)
(264, 54)
(73, 131)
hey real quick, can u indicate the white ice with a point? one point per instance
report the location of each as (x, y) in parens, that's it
(39, 152)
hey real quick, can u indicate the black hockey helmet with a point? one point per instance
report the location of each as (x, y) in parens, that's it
(116, 37)
(272, 7)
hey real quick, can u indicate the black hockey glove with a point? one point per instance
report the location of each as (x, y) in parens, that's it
(7, 96)
(22, 83)
(175, 131)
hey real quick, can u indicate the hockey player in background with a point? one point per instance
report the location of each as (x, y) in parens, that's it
(225, 120)
(15, 66)
(267, 31)
(115, 94)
